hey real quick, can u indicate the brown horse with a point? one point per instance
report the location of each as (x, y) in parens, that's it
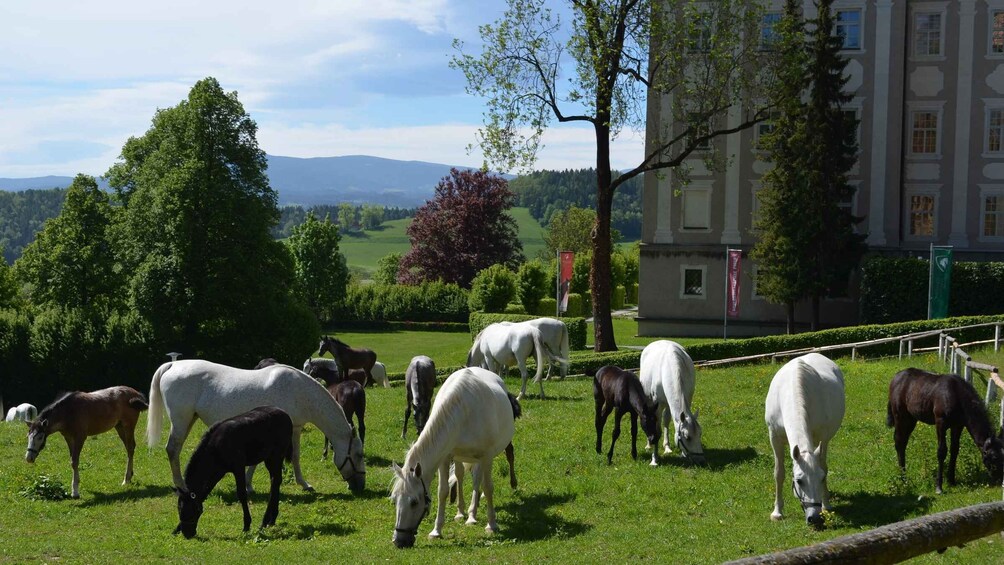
(348, 357)
(949, 403)
(620, 390)
(352, 398)
(78, 415)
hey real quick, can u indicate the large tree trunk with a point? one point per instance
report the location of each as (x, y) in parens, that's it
(599, 272)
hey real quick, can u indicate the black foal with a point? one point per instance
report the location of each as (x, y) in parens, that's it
(617, 389)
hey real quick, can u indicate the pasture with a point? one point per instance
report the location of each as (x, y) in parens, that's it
(570, 505)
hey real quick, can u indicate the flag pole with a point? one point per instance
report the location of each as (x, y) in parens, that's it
(725, 318)
(930, 279)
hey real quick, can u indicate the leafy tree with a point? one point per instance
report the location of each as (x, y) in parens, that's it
(8, 285)
(570, 230)
(72, 261)
(531, 285)
(387, 267)
(623, 52)
(492, 289)
(465, 228)
(372, 216)
(204, 270)
(320, 270)
(346, 216)
(23, 215)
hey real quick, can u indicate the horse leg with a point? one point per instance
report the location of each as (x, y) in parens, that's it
(75, 445)
(826, 471)
(522, 390)
(778, 442)
(128, 438)
(174, 444)
(476, 479)
(617, 433)
(634, 433)
(362, 425)
(953, 453)
(242, 495)
(458, 475)
(488, 488)
(511, 458)
(442, 494)
(274, 466)
(295, 445)
(667, 415)
(602, 412)
(904, 428)
(249, 478)
(939, 426)
(407, 414)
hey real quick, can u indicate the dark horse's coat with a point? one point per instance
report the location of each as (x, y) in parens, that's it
(352, 398)
(620, 390)
(349, 357)
(948, 403)
(263, 434)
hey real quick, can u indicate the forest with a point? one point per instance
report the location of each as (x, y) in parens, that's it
(22, 215)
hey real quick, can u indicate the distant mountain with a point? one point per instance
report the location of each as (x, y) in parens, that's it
(323, 180)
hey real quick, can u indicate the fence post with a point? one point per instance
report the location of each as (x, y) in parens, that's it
(997, 338)
(854, 353)
(909, 348)
(901, 349)
(991, 388)
(968, 373)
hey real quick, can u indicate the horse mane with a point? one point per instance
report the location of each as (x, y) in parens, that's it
(445, 413)
(57, 403)
(798, 391)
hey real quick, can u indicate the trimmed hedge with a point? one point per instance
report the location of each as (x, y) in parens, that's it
(451, 327)
(574, 308)
(576, 326)
(631, 294)
(617, 299)
(426, 302)
(547, 307)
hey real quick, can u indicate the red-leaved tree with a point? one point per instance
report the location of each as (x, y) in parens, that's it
(466, 227)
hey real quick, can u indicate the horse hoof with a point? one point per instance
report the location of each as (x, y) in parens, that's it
(308, 488)
(459, 517)
(434, 535)
(775, 516)
(76, 495)
(471, 522)
(653, 463)
(490, 529)
(938, 491)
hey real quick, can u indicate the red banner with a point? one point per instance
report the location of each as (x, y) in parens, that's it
(732, 293)
(565, 262)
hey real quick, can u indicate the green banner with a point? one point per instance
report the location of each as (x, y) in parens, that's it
(941, 280)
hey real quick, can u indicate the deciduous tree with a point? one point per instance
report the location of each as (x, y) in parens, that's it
(320, 269)
(570, 230)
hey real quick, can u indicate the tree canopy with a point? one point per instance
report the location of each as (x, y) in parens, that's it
(320, 269)
(465, 228)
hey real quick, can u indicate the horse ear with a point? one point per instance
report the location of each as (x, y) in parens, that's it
(795, 454)
(417, 471)
(696, 413)
(819, 450)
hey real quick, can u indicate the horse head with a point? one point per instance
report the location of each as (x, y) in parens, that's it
(353, 467)
(650, 422)
(412, 501)
(38, 432)
(189, 512)
(808, 483)
(422, 408)
(993, 457)
(688, 437)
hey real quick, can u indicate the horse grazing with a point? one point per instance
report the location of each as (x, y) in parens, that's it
(554, 333)
(351, 396)
(501, 345)
(266, 362)
(348, 357)
(324, 369)
(380, 374)
(805, 406)
(615, 388)
(261, 435)
(22, 413)
(419, 381)
(192, 388)
(667, 377)
(949, 403)
(78, 415)
(471, 422)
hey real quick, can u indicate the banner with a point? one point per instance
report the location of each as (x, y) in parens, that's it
(734, 262)
(565, 261)
(941, 280)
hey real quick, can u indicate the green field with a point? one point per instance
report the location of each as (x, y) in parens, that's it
(364, 249)
(570, 505)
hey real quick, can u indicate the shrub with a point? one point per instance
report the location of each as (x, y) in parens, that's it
(574, 304)
(617, 300)
(531, 285)
(45, 487)
(514, 309)
(425, 302)
(576, 326)
(547, 307)
(492, 289)
(618, 269)
(580, 273)
(631, 294)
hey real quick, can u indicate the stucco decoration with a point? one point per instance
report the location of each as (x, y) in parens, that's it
(697, 168)
(994, 171)
(927, 81)
(995, 80)
(854, 73)
(923, 171)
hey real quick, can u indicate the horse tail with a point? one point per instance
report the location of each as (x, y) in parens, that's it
(517, 410)
(888, 414)
(155, 420)
(564, 350)
(538, 346)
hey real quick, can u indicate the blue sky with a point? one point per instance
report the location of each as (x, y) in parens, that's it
(321, 78)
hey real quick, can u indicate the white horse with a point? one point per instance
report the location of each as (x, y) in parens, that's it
(379, 373)
(22, 413)
(192, 389)
(555, 336)
(502, 345)
(472, 421)
(667, 376)
(805, 406)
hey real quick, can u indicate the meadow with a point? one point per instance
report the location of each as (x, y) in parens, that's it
(569, 506)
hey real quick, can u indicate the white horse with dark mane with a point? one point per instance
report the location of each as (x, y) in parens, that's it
(504, 344)
(191, 389)
(667, 376)
(805, 407)
(472, 421)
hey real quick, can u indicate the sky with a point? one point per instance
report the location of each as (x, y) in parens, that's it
(321, 78)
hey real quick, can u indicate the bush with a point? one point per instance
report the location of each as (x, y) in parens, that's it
(45, 487)
(576, 326)
(514, 309)
(574, 305)
(618, 269)
(580, 273)
(425, 302)
(492, 289)
(531, 285)
(631, 294)
(547, 307)
(617, 300)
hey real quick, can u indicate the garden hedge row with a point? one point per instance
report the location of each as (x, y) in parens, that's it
(426, 302)
(576, 326)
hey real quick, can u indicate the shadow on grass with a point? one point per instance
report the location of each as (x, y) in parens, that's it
(532, 521)
(530, 398)
(717, 459)
(377, 461)
(134, 492)
(872, 509)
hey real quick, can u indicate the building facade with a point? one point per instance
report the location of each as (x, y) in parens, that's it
(928, 85)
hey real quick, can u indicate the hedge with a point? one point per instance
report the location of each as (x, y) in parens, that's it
(426, 302)
(617, 298)
(576, 326)
(574, 307)
(450, 327)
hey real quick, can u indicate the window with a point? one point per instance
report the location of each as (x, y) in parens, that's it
(699, 128)
(848, 27)
(995, 130)
(927, 34)
(763, 129)
(922, 215)
(993, 215)
(768, 35)
(997, 32)
(696, 209)
(700, 35)
(924, 132)
(692, 281)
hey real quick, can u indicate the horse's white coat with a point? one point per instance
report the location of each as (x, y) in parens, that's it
(804, 410)
(555, 336)
(190, 389)
(667, 376)
(379, 373)
(502, 345)
(471, 422)
(22, 413)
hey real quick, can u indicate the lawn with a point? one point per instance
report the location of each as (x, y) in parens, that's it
(570, 505)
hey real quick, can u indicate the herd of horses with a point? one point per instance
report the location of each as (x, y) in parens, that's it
(257, 416)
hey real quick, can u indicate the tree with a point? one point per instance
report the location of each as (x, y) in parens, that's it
(72, 261)
(531, 285)
(693, 56)
(372, 216)
(204, 270)
(492, 289)
(465, 228)
(569, 230)
(387, 268)
(346, 216)
(320, 270)
(8, 285)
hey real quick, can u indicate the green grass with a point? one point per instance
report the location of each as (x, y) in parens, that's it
(570, 505)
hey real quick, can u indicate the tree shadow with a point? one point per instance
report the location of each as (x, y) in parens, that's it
(531, 520)
(353, 234)
(377, 461)
(128, 493)
(871, 509)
